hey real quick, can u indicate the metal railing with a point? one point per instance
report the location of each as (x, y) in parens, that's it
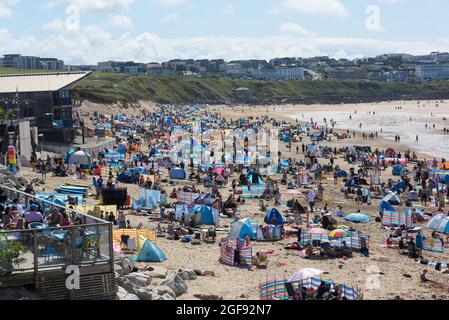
(35, 250)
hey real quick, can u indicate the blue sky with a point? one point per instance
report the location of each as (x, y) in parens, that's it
(87, 31)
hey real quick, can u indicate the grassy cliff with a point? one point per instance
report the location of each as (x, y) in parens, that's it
(108, 88)
(116, 87)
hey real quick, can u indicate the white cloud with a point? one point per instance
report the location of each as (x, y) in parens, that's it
(322, 7)
(121, 21)
(290, 27)
(167, 3)
(5, 8)
(229, 9)
(55, 25)
(92, 44)
(170, 18)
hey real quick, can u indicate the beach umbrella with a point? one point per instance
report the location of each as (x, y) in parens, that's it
(318, 231)
(305, 273)
(357, 218)
(338, 233)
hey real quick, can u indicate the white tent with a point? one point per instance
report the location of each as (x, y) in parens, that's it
(80, 157)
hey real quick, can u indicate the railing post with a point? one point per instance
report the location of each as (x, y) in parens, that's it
(111, 246)
(36, 261)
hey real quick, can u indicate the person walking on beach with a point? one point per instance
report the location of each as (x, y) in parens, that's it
(417, 138)
(311, 199)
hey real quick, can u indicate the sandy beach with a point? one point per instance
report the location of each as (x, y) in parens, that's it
(398, 275)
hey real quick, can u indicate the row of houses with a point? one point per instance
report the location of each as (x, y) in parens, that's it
(387, 67)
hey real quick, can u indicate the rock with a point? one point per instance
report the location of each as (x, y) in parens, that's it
(134, 281)
(156, 282)
(165, 297)
(126, 264)
(176, 283)
(187, 274)
(406, 275)
(139, 279)
(122, 294)
(127, 285)
(158, 272)
(22, 180)
(118, 269)
(207, 297)
(164, 290)
(145, 293)
(197, 271)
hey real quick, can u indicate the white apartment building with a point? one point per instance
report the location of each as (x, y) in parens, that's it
(432, 71)
(287, 73)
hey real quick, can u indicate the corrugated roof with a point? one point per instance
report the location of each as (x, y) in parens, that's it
(39, 82)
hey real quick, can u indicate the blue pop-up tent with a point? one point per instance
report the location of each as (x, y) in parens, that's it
(398, 169)
(149, 252)
(274, 217)
(241, 229)
(178, 174)
(386, 206)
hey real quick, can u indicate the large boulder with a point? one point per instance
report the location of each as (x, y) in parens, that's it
(122, 294)
(119, 270)
(133, 281)
(126, 263)
(165, 297)
(176, 283)
(139, 279)
(145, 293)
(164, 290)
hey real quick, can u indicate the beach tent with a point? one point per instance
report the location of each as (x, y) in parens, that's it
(201, 214)
(241, 229)
(149, 252)
(390, 153)
(126, 177)
(357, 218)
(392, 198)
(399, 186)
(254, 178)
(79, 157)
(398, 169)
(385, 206)
(274, 217)
(342, 174)
(439, 223)
(178, 174)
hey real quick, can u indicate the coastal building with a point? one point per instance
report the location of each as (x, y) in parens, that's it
(18, 61)
(432, 71)
(44, 99)
(281, 73)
